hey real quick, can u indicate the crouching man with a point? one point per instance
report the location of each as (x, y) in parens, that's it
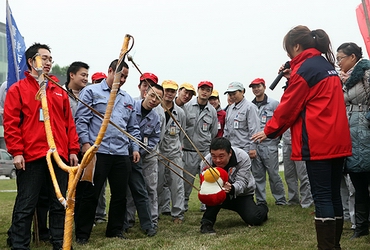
(239, 188)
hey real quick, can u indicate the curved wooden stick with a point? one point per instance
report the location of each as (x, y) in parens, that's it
(93, 149)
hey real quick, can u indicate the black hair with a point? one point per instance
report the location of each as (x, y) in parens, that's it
(33, 50)
(113, 65)
(74, 68)
(220, 143)
(303, 36)
(351, 48)
(159, 87)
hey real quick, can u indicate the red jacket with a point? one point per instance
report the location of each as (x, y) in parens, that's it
(313, 106)
(221, 116)
(25, 134)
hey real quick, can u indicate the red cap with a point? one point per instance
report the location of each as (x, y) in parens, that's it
(205, 83)
(98, 76)
(149, 76)
(257, 81)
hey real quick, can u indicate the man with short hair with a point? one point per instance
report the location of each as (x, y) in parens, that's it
(201, 127)
(239, 187)
(214, 100)
(24, 133)
(184, 94)
(77, 77)
(267, 159)
(112, 159)
(146, 79)
(241, 120)
(143, 181)
(170, 147)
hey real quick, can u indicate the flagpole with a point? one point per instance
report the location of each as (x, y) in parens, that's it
(364, 6)
(10, 27)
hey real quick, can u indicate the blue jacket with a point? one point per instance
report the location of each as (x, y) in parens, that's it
(123, 114)
(150, 128)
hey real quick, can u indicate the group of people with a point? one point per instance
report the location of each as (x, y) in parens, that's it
(172, 133)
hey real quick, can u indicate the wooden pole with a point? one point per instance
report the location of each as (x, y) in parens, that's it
(364, 6)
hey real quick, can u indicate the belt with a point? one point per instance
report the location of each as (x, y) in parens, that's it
(357, 107)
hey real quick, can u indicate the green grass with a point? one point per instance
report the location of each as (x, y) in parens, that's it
(288, 227)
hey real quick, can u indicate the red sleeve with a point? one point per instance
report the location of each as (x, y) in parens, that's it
(12, 120)
(291, 104)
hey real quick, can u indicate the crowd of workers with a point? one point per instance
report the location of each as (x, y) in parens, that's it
(174, 132)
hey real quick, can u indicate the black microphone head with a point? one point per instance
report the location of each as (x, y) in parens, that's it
(280, 75)
(287, 65)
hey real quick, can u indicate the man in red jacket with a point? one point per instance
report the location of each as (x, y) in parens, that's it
(25, 138)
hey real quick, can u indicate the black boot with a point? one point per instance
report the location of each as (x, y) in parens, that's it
(325, 232)
(362, 220)
(338, 232)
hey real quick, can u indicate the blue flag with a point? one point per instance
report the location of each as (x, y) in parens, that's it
(16, 49)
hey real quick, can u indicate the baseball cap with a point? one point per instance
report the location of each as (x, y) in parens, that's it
(257, 81)
(149, 76)
(234, 86)
(214, 93)
(188, 86)
(98, 76)
(169, 84)
(205, 83)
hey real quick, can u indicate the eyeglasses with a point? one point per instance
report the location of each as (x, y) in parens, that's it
(339, 59)
(44, 58)
(47, 59)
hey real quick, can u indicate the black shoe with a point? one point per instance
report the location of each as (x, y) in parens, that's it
(207, 228)
(151, 232)
(359, 234)
(81, 241)
(120, 236)
(166, 213)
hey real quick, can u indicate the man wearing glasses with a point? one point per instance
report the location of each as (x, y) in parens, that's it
(24, 133)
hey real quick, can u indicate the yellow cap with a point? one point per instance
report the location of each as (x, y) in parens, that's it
(169, 84)
(188, 86)
(215, 93)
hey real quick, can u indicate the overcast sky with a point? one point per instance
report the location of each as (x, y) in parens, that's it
(185, 41)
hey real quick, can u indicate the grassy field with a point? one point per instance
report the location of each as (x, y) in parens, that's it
(288, 227)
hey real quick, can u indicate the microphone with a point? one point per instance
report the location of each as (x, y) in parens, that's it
(280, 75)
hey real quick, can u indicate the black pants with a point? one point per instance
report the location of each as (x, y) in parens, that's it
(117, 169)
(29, 184)
(245, 206)
(361, 182)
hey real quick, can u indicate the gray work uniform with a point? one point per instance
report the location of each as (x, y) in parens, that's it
(145, 199)
(201, 127)
(267, 158)
(241, 123)
(295, 171)
(170, 147)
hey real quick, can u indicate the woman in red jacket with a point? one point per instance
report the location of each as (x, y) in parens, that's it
(313, 106)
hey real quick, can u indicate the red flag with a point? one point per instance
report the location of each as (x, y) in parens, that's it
(364, 23)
